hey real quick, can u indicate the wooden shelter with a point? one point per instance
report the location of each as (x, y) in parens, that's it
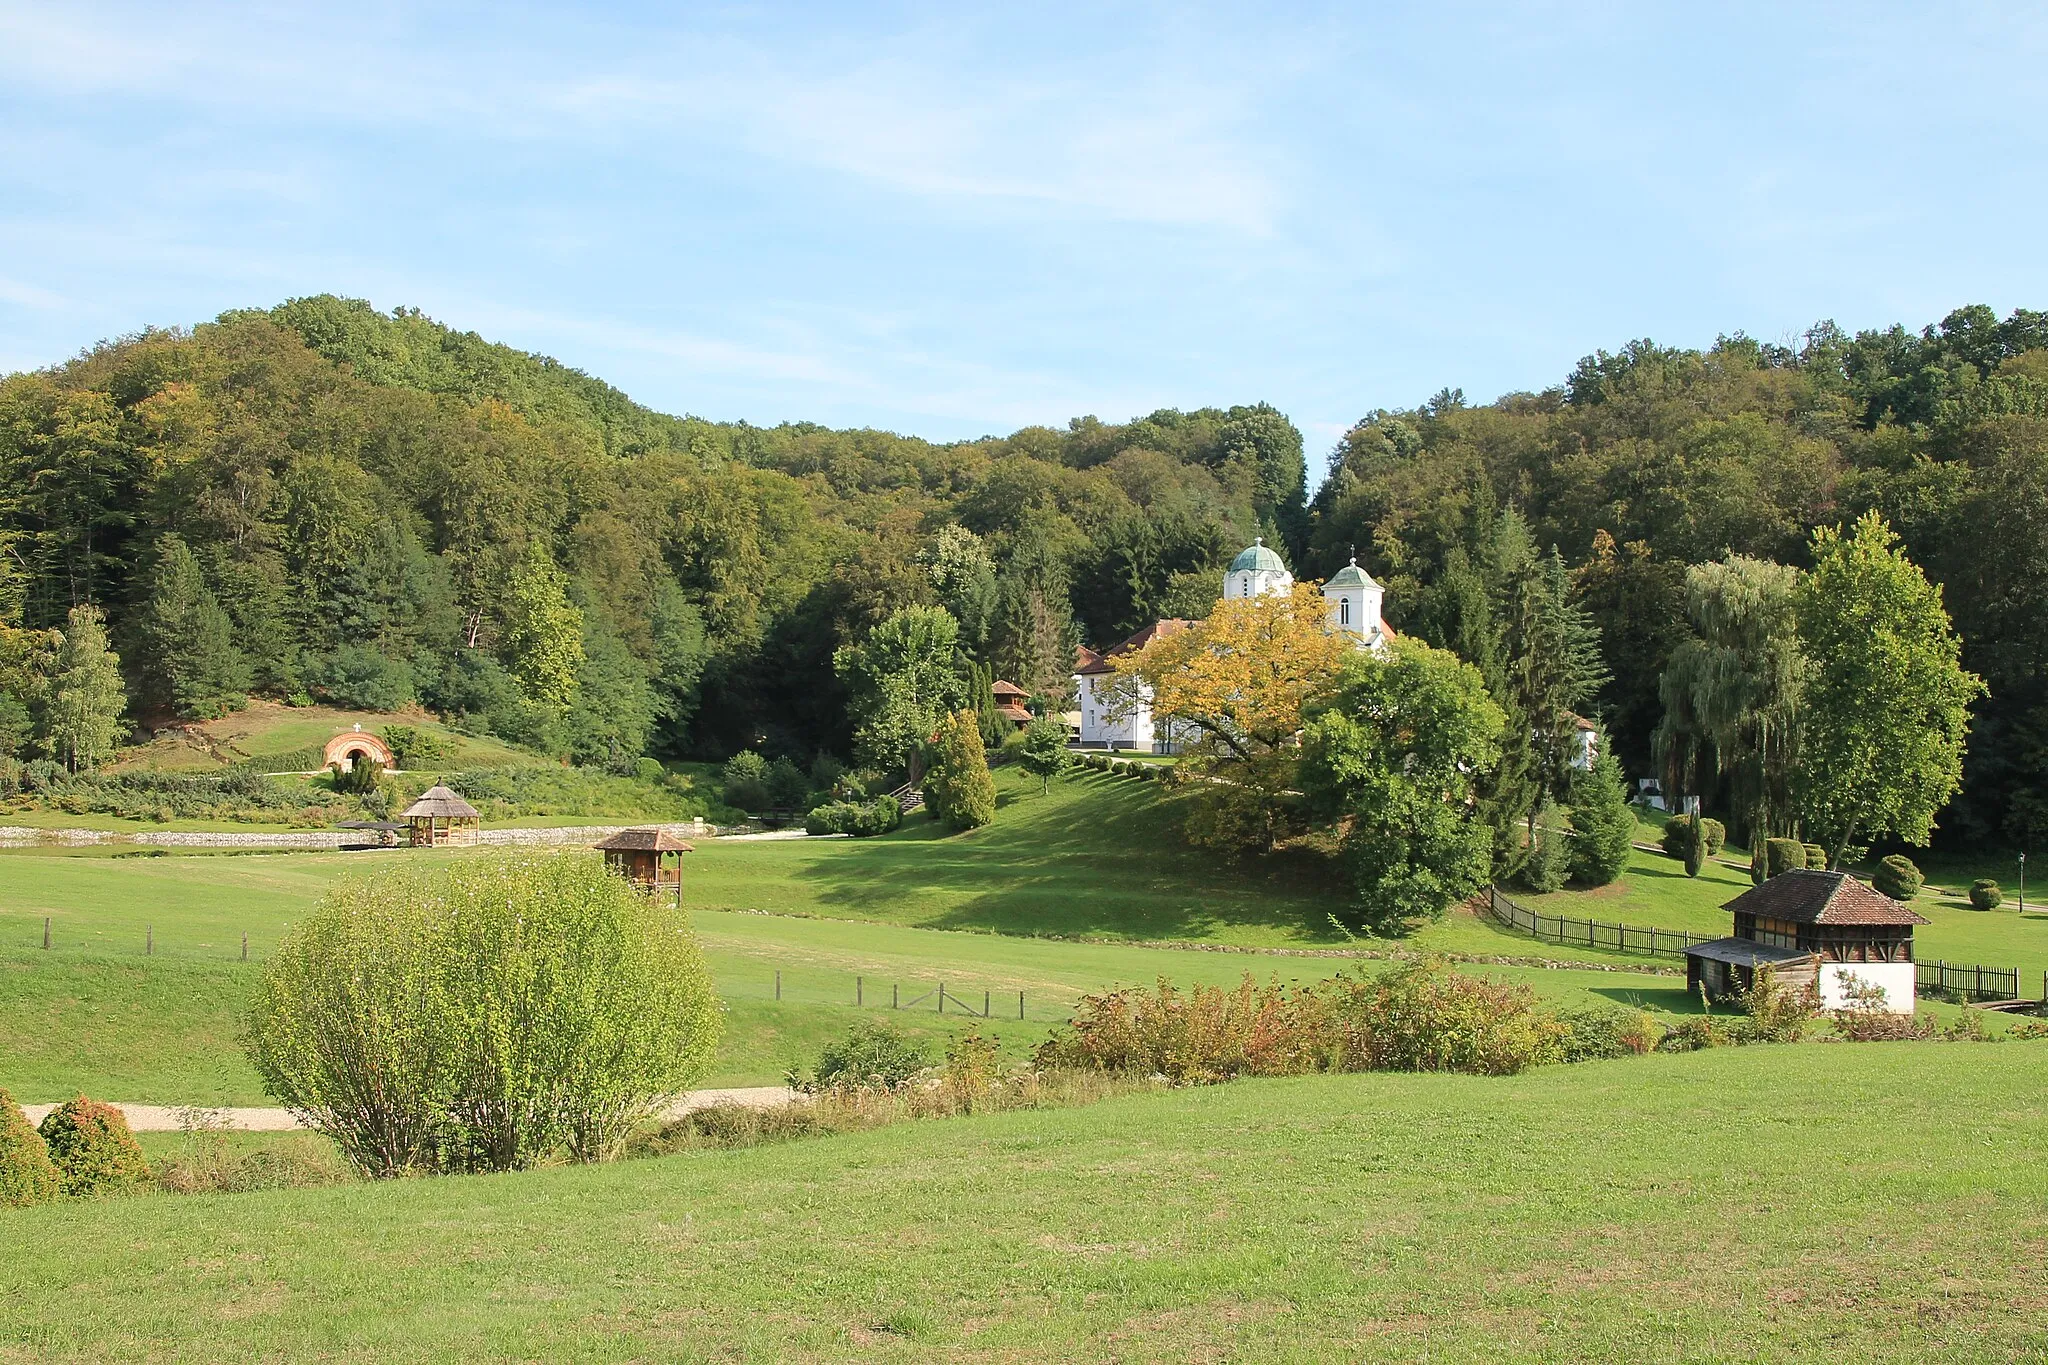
(651, 858)
(441, 819)
(1823, 928)
(1010, 700)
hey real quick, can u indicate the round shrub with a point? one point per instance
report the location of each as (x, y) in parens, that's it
(484, 1015)
(873, 1055)
(1714, 834)
(1678, 835)
(1897, 877)
(1986, 894)
(27, 1175)
(1783, 855)
(93, 1150)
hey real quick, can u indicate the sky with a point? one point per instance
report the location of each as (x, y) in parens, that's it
(955, 220)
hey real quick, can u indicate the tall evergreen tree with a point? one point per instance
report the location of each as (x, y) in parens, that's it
(83, 699)
(958, 786)
(194, 665)
(1554, 670)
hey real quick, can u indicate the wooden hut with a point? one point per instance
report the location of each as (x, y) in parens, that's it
(441, 819)
(1010, 700)
(1839, 933)
(650, 858)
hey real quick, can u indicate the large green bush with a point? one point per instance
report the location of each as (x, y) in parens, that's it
(1783, 855)
(1986, 894)
(861, 819)
(874, 1054)
(1427, 1017)
(958, 786)
(1678, 835)
(484, 1015)
(1898, 877)
(27, 1175)
(1816, 857)
(1713, 835)
(93, 1150)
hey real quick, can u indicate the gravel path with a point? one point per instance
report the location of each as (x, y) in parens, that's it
(165, 1118)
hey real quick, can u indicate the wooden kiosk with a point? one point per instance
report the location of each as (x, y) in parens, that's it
(649, 858)
(441, 819)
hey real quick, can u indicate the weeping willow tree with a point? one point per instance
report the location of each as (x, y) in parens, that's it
(1731, 692)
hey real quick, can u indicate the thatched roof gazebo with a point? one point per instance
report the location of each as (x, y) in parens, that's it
(440, 818)
(651, 858)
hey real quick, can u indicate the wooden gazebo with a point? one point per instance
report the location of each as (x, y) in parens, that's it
(650, 858)
(440, 819)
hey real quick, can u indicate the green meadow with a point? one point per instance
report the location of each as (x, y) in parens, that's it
(1879, 1203)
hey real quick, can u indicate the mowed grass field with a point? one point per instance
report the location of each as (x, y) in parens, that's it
(1876, 1203)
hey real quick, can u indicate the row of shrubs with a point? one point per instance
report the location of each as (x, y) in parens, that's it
(858, 818)
(85, 1150)
(147, 794)
(1100, 761)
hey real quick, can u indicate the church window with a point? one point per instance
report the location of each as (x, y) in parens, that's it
(1343, 611)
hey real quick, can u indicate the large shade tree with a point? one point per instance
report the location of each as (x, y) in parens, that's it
(1887, 698)
(901, 682)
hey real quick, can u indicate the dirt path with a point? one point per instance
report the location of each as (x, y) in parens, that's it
(166, 1118)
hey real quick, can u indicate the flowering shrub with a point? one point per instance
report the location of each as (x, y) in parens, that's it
(94, 1152)
(27, 1175)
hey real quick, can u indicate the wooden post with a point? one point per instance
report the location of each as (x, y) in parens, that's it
(856, 990)
(895, 996)
(1020, 995)
(149, 941)
(778, 983)
(984, 1004)
(942, 997)
(245, 947)
(46, 947)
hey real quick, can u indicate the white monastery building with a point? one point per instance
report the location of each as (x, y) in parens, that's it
(1124, 720)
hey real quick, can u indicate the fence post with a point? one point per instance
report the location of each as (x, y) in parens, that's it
(942, 997)
(149, 941)
(857, 991)
(46, 948)
(895, 996)
(245, 945)
(984, 1004)
(1020, 995)
(778, 983)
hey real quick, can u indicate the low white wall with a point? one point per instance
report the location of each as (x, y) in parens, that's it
(1895, 977)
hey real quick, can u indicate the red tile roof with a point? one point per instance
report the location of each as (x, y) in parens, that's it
(1091, 662)
(1811, 896)
(1006, 689)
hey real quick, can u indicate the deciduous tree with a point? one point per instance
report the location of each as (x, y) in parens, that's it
(1887, 697)
(83, 699)
(901, 682)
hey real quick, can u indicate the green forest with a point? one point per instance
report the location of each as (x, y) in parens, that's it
(322, 502)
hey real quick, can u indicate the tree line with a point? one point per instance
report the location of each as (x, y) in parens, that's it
(322, 501)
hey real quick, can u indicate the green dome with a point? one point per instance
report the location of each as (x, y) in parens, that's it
(1258, 559)
(1351, 576)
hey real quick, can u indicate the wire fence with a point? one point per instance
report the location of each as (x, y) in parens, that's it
(1590, 933)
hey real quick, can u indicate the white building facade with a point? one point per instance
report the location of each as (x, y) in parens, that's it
(1116, 712)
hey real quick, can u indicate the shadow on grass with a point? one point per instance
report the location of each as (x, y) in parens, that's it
(1675, 999)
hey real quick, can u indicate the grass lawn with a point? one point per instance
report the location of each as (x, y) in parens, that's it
(266, 727)
(1758, 1204)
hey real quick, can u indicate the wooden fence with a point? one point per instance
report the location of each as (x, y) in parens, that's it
(1975, 981)
(1590, 933)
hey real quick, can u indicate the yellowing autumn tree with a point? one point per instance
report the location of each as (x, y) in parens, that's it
(1233, 688)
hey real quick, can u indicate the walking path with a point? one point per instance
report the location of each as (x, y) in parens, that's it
(166, 1118)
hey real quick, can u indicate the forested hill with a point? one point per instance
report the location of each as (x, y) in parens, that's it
(372, 501)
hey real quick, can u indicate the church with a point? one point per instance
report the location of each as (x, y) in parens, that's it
(1126, 722)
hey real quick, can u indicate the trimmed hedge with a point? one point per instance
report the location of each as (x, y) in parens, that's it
(1897, 877)
(1783, 855)
(1816, 857)
(93, 1150)
(861, 819)
(27, 1175)
(1986, 894)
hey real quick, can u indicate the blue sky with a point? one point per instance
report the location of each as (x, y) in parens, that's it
(954, 221)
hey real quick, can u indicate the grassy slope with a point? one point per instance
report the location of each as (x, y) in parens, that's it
(1616, 1211)
(268, 728)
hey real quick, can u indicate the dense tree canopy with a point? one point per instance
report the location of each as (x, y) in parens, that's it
(380, 509)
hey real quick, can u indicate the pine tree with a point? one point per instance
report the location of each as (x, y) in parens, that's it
(981, 692)
(1554, 669)
(1603, 822)
(957, 786)
(84, 699)
(193, 662)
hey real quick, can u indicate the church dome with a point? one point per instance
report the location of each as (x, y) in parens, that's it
(1350, 576)
(1257, 559)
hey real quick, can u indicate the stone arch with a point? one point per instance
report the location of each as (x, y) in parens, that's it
(345, 749)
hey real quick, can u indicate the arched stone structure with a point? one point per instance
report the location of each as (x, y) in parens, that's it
(345, 749)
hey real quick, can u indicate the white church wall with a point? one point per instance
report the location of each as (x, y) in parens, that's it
(1896, 978)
